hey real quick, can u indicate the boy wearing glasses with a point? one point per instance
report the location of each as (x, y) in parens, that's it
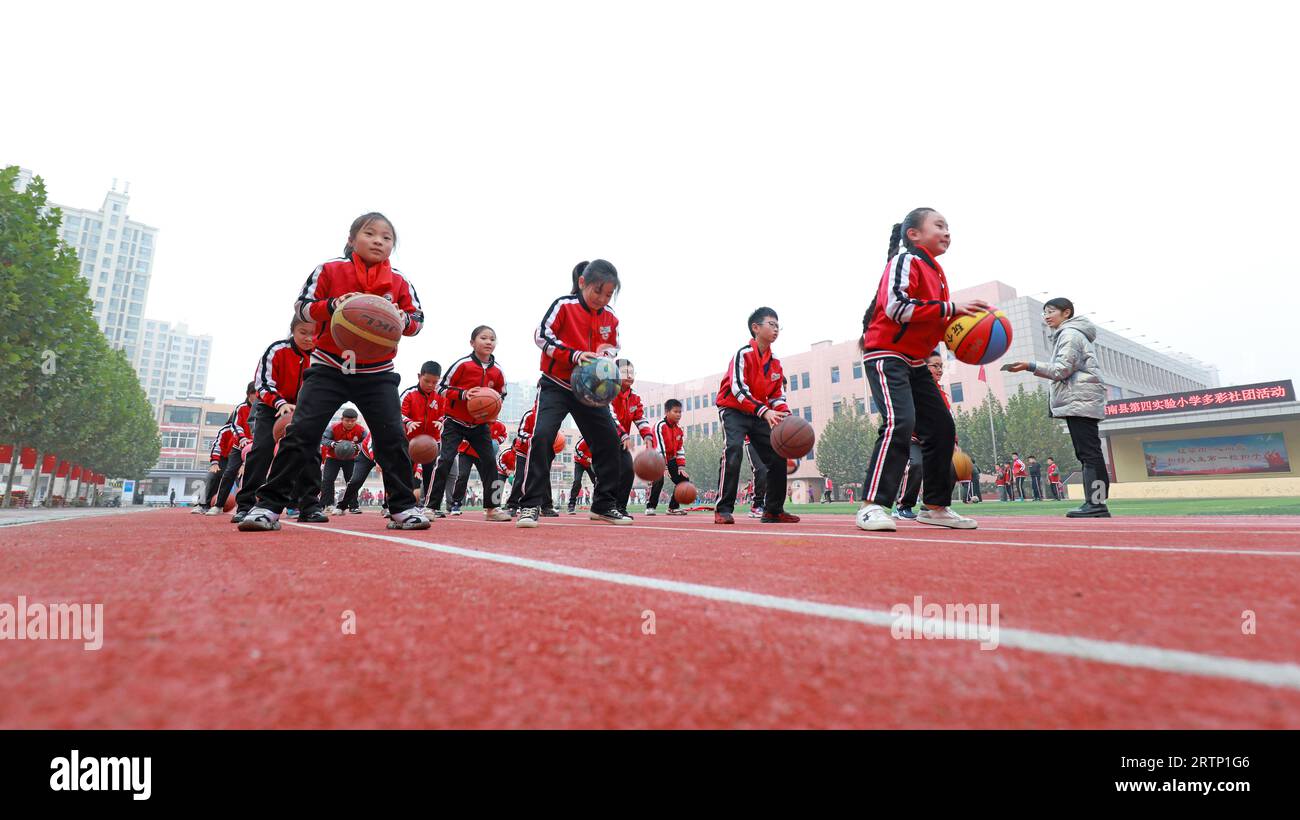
(751, 401)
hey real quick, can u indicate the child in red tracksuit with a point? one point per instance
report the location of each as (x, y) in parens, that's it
(422, 413)
(466, 458)
(336, 377)
(1003, 479)
(1054, 478)
(464, 380)
(277, 379)
(1019, 473)
(905, 321)
(572, 330)
(240, 420)
(671, 443)
(751, 401)
(629, 411)
(520, 447)
(347, 429)
(581, 466)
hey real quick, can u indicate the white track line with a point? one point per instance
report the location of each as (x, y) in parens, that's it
(906, 536)
(1266, 673)
(82, 517)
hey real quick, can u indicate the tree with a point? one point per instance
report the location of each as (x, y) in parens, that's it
(65, 391)
(845, 445)
(1024, 426)
(703, 455)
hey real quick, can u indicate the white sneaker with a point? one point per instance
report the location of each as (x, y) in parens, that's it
(945, 517)
(650, 511)
(197, 511)
(412, 519)
(213, 511)
(260, 519)
(528, 517)
(336, 511)
(494, 514)
(611, 517)
(755, 512)
(875, 518)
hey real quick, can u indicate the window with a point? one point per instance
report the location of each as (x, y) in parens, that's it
(835, 375)
(807, 414)
(857, 370)
(836, 408)
(117, 207)
(805, 381)
(874, 408)
(182, 415)
(957, 394)
(794, 384)
(812, 455)
(861, 406)
(179, 440)
(715, 428)
(213, 418)
(714, 398)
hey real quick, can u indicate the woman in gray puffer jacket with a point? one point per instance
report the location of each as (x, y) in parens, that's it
(1078, 396)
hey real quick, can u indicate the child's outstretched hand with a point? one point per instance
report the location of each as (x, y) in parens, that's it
(1016, 367)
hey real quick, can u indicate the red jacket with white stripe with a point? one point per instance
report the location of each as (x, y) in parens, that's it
(753, 382)
(239, 418)
(336, 433)
(279, 373)
(911, 310)
(421, 412)
(338, 277)
(629, 411)
(466, 373)
(569, 328)
(582, 453)
(1018, 469)
(671, 442)
(506, 461)
(367, 448)
(524, 435)
(227, 439)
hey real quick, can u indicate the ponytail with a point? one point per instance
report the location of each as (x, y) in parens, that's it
(577, 271)
(897, 238)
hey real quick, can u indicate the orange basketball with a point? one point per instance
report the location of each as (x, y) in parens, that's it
(961, 463)
(370, 326)
(685, 493)
(485, 405)
(423, 449)
(559, 443)
(282, 425)
(792, 437)
(230, 503)
(648, 465)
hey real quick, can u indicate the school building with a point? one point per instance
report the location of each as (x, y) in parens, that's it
(1226, 442)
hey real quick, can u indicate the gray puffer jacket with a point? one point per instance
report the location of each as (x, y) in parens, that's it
(1077, 385)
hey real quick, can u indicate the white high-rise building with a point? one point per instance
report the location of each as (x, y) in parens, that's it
(171, 363)
(116, 256)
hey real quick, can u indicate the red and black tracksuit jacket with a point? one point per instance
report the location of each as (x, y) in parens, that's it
(279, 373)
(422, 412)
(335, 433)
(582, 454)
(465, 374)
(524, 435)
(332, 279)
(570, 328)
(753, 382)
(1018, 469)
(911, 310)
(629, 411)
(506, 461)
(227, 439)
(671, 442)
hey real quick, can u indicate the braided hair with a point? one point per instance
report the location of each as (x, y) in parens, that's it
(897, 236)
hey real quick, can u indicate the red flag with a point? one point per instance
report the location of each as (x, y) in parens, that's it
(982, 377)
(63, 469)
(28, 458)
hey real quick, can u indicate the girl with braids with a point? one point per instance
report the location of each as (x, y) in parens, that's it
(905, 322)
(576, 328)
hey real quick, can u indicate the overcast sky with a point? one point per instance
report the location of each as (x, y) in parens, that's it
(1139, 158)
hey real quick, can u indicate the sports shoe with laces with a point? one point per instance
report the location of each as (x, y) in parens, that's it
(875, 518)
(412, 519)
(259, 519)
(780, 518)
(528, 517)
(610, 517)
(946, 517)
(723, 518)
(497, 514)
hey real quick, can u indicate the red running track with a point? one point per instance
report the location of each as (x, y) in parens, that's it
(1107, 624)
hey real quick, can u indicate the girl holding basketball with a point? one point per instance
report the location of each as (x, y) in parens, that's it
(905, 322)
(466, 385)
(336, 376)
(572, 331)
